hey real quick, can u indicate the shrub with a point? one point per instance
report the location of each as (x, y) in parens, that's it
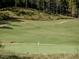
(22, 12)
(4, 16)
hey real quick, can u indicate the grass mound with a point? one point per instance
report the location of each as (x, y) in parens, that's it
(32, 14)
(6, 15)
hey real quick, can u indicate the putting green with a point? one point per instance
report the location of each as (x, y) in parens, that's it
(33, 48)
(51, 32)
(63, 33)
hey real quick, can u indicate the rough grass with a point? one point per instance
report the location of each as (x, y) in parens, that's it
(39, 56)
(11, 55)
(32, 14)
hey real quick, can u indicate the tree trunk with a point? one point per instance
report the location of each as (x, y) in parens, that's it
(15, 3)
(25, 3)
(73, 8)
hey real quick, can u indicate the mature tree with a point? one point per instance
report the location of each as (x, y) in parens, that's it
(25, 3)
(55, 6)
(73, 7)
(63, 7)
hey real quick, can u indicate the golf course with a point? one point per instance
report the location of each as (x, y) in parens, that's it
(35, 32)
(39, 29)
(59, 36)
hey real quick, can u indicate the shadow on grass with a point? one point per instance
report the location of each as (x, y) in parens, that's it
(6, 24)
(6, 27)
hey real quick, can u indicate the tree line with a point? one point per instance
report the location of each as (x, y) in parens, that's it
(65, 7)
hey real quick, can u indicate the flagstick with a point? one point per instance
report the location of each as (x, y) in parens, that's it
(38, 44)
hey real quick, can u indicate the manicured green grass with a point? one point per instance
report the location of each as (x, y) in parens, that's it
(53, 32)
(34, 48)
(64, 34)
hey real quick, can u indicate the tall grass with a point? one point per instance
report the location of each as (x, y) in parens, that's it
(53, 56)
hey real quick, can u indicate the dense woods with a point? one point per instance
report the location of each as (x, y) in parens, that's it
(65, 7)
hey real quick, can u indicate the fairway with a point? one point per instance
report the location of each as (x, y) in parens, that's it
(59, 36)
